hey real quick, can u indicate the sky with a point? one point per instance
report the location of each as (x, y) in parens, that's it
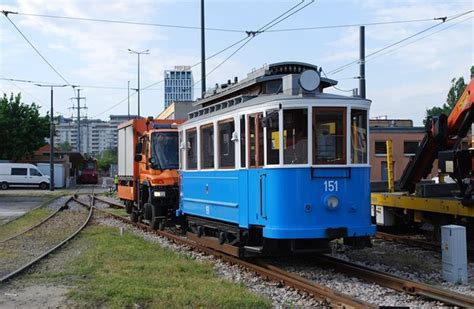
(402, 81)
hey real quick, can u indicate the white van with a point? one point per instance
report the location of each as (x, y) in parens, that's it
(22, 174)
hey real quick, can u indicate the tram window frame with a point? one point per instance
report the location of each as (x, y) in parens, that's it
(304, 126)
(243, 145)
(226, 161)
(207, 153)
(272, 127)
(180, 153)
(191, 153)
(339, 138)
(359, 136)
(258, 143)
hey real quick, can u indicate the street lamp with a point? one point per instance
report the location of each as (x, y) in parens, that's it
(145, 52)
(51, 137)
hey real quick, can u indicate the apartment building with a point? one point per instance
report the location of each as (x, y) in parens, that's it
(96, 135)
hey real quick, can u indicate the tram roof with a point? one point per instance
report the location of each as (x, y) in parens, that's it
(243, 101)
(267, 73)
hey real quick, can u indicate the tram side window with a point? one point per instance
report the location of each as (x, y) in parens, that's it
(329, 135)
(191, 149)
(242, 141)
(295, 136)
(271, 122)
(180, 136)
(358, 136)
(255, 140)
(226, 146)
(207, 146)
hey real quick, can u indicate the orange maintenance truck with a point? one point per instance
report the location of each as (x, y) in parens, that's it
(148, 165)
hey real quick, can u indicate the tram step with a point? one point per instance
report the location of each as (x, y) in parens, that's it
(258, 249)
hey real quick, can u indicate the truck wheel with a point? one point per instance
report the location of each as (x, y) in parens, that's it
(4, 185)
(128, 207)
(134, 216)
(43, 186)
(148, 207)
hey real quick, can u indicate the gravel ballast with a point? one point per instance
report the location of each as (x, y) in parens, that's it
(280, 295)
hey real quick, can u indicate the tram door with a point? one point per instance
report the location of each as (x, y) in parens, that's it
(257, 176)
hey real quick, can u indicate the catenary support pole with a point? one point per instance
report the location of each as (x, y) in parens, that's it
(51, 135)
(362, 63)
(51, 145)
(203, 52)
(128, 99)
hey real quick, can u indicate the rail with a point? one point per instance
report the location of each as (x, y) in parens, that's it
(425, 244)
(397, 283)
(49, 251)
(319, 292)
(37, 224)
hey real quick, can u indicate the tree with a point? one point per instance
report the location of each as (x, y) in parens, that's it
(66, 146)
(457, 88)
(106, 158)
(22, 129)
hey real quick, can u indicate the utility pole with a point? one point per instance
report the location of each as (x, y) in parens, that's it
(51, 136)
(79, 107)
(203, 53)
(128, 99)
(362, 62)
(145, 52)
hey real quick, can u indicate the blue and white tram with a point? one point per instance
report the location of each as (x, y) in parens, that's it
(272, 164)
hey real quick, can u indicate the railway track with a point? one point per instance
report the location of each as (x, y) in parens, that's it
(39, 223)
(21, 251)
(397, 283)
(419, 243)
(319, 292)
(323, 294)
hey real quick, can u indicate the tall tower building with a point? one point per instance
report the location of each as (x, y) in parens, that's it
(178, 85)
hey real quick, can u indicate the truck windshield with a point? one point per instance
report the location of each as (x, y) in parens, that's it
(165, 150)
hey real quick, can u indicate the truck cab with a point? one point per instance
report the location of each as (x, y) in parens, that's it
(148, 180)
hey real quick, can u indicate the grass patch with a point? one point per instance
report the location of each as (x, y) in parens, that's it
(27, 220)
(117, 211)
(123, 271)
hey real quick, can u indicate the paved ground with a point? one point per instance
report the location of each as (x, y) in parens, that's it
(15, 206)
(16, 202)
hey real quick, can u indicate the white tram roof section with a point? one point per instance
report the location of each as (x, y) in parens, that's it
(279, 84)
(268, 73)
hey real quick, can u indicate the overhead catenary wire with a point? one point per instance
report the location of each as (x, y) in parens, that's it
(419, 39)
(138, 23)
(444, 20)
(82, 85)
(264, 28)
(141, 23)
(399, 47)
(246, 39)
(36, 50)
(23, 90)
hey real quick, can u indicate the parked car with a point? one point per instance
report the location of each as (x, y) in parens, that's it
(22, 175)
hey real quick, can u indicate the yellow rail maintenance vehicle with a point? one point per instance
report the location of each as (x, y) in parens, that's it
(419, 202)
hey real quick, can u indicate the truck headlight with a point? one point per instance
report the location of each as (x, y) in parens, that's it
(159, 194)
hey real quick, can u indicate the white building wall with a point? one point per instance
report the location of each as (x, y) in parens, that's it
(96, 135)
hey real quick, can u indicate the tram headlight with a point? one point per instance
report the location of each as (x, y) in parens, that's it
(159, 194)
(332, 202)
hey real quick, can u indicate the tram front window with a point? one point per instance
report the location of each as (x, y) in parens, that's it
(329, 135)
(165, 150)
(358, 136)
(295, 136)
